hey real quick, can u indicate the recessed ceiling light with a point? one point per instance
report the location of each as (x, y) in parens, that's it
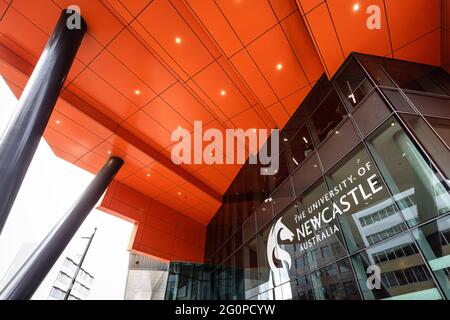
(109, 151)
(178, 40)
(179, 128)
(356, 7)
(223, 92)
(137, 92)
(337, 132)
(179, 193)
(279, 66)
(392, 124)
(58, 122)
(148, 174)
(285, 139)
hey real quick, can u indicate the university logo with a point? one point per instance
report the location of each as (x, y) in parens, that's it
(279, 261)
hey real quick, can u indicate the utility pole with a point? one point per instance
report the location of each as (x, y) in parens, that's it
(74, 278)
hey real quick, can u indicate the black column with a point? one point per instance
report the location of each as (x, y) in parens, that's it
(29, 277)
(21, 138)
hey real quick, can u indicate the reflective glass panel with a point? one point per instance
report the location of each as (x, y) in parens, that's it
(353, 84)
(328, 115)
(366, 212)
(335, 282)
(434, 241)
(419, 191)
(394, 270)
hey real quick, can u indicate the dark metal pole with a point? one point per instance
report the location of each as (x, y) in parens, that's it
(29, 277)
(74, 277)
(21, 138)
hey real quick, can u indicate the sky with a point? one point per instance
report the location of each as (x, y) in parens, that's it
(50, 187)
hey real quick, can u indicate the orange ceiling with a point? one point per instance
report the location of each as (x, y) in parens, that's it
(230, 45)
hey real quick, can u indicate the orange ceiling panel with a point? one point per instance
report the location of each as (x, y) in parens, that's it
(64, 143)
(410, 20)
(119, 77)
(103, 92)
(73, 130)
(293, 101)
(148, 128)
(42, 13)
(308, 5)
(352, 30)
(253, 77)
(325, 38)
(139, 59)
(214, 178)
(82, 119)
(249, 19)
(216, 24)
(3, 7)
(273, 49)
(130, 149)
(15, 28)
(279, 114)
(165, 115)
(94, 106)
(135, 182)
(283, 8)
(297, 34)
(180, 99)
(220, 89)
(128, 9)
(425, 49)
(163, 22)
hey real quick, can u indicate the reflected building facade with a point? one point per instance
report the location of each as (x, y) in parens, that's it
(359, 207)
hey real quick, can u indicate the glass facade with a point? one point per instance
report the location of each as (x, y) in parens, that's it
(360, 206)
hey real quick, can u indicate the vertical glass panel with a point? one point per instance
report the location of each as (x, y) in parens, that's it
(442, 78)
(249, 264)
(328, 115)
(366, 212)
(304, 288)
(442, 127)
(403, 273)
(412, 76)
(306, 174)
(283, 196)
(419, 191)
(397, 101)
(335, 282)
(371, 113)
(249, 228)
(372, 66)
(281, 174)
(298, 147)
(264, 214)
(434, 241)
(431, 106)
(343, 140)
(353, 84)
(316, 236)
(430, 141)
